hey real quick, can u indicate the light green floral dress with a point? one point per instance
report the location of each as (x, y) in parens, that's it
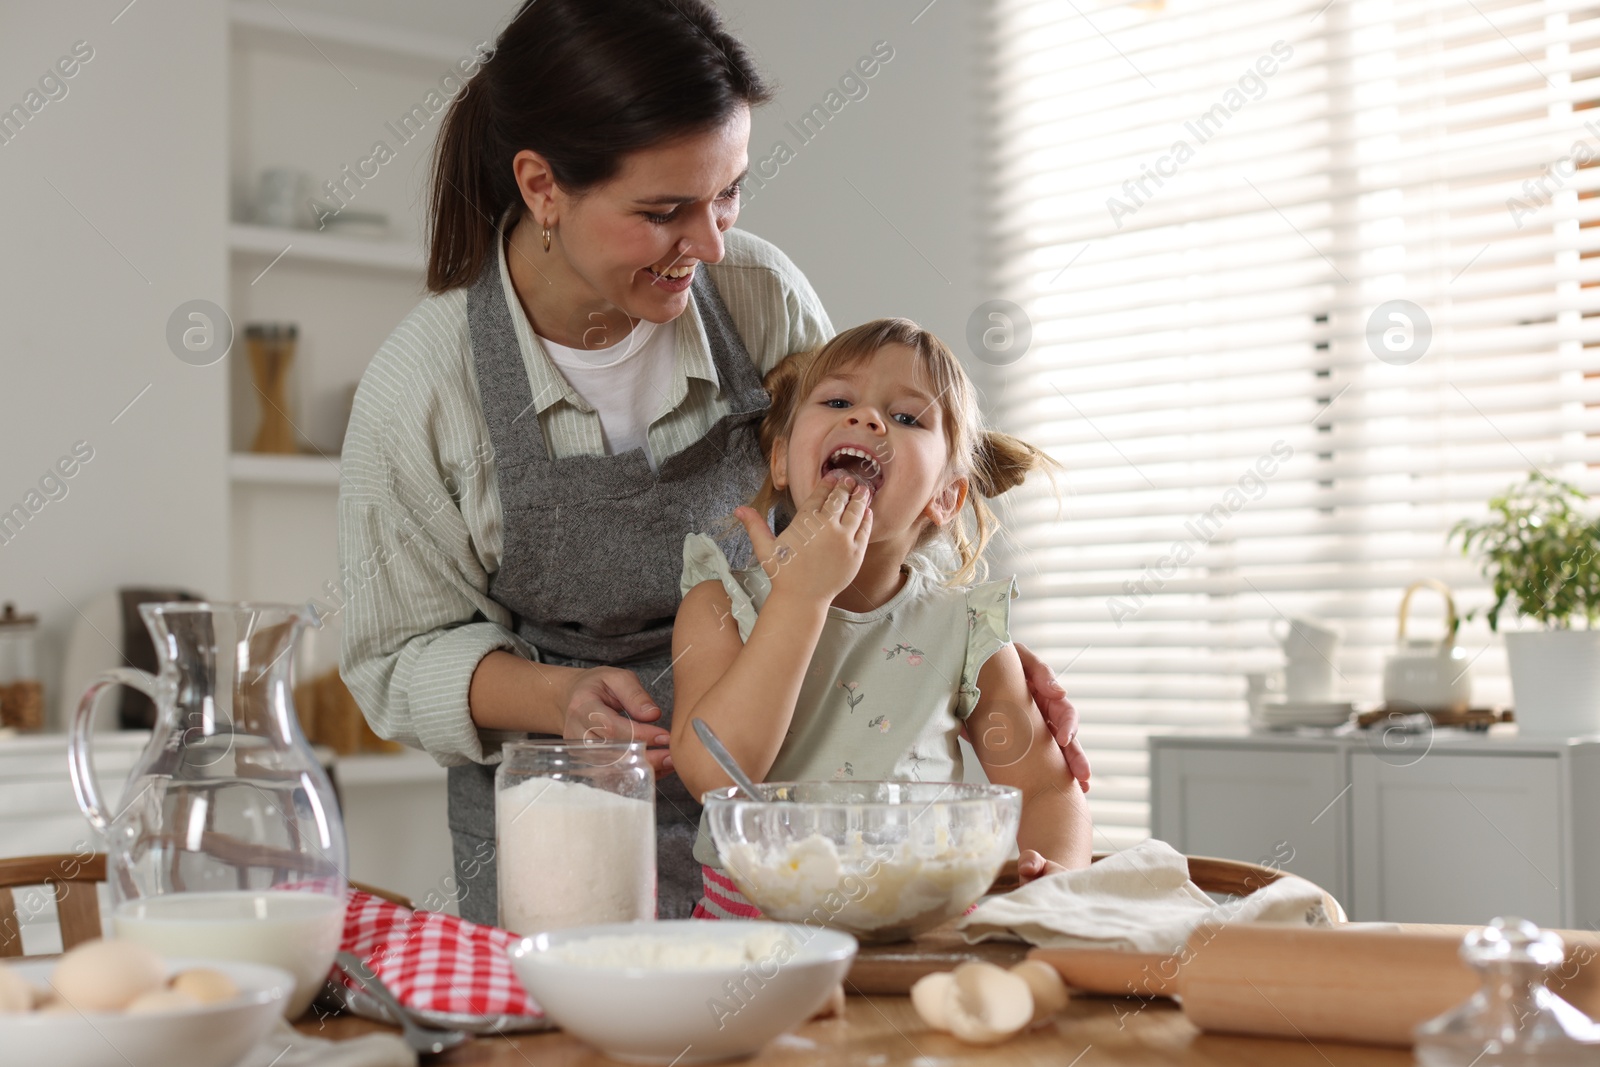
(888, 689)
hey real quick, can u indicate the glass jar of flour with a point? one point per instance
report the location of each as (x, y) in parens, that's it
(575, 834)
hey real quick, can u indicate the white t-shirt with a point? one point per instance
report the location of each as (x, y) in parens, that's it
(627, 384)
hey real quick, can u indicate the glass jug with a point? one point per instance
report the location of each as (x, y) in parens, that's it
(227, 843)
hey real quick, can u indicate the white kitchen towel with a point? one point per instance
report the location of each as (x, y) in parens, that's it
(1139, 899)
(284, 1046)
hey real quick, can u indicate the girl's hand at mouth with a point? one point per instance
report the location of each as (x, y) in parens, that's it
(820, 552)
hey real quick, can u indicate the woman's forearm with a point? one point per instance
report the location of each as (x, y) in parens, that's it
(511, 693)
(751, 705)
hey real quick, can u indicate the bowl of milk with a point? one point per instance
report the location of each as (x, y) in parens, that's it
(297, 931)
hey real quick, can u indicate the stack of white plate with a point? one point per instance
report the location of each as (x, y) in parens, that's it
(1288, 713)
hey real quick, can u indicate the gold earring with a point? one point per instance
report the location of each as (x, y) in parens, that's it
(546, 236)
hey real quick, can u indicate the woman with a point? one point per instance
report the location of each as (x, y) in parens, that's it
(589, 360)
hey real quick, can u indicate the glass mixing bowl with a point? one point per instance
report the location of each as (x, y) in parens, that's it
(881, 860)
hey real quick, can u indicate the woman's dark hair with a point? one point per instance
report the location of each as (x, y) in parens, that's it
(583, 83)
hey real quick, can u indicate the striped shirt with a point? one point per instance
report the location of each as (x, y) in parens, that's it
(420, 520)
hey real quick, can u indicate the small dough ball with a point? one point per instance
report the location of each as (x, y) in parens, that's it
(107, 975)
(987, 1004)
(161, 1000)
(1044, 982)
(928, 996)
(16, 995)
(205, 985)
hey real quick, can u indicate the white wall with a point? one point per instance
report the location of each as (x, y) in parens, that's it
(882, 209)
(111, 207)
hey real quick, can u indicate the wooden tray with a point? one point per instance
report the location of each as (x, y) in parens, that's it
(1470, 719)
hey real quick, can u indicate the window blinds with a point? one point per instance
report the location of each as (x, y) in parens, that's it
(1308, 282)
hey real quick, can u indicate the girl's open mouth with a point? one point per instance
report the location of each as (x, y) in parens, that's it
(858, 463)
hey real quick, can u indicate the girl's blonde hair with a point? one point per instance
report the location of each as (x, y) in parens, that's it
(992, 462)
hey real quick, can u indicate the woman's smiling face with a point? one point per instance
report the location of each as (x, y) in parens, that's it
(662, 215)
(878, 421)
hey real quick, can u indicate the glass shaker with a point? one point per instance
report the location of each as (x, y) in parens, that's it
(1513, 1021)
(575, 834)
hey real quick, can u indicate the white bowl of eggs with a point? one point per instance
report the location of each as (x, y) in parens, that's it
(119, 1002)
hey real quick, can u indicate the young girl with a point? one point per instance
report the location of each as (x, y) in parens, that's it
(842, 655)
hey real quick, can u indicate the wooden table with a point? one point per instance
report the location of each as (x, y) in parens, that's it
(883, 1031)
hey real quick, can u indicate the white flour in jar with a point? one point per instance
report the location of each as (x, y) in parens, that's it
(716, 950)
(570, 854)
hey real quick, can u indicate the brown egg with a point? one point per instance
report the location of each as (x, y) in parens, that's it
(161, 1000)
(205, 985)
(107, 975)
(16, 995)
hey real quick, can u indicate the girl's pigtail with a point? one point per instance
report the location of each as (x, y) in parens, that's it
(1002, 463)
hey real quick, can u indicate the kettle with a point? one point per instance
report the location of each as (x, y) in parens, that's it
(1427, 674)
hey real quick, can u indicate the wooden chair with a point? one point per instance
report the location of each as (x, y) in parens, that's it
(78, 913)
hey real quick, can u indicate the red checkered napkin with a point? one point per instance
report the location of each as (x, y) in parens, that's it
(441, 967)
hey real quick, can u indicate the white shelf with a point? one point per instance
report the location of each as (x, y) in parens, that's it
(253, 20)
(248, 468)
(311, 246)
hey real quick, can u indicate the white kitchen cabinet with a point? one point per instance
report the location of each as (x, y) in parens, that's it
(1458, 838)
(1457, 828)
(1233, 803)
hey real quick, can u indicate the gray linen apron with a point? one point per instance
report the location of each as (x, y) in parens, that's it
(593, 553)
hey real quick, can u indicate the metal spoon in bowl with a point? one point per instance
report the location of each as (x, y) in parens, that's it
(424, 1040)
(725, 760)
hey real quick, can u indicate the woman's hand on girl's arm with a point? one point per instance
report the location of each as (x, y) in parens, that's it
(1058, 712)
(1015, 748)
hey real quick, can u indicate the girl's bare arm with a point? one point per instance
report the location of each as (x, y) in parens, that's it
(1015, 747)
(746, 691)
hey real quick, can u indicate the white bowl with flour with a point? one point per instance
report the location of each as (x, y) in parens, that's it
(685, 991)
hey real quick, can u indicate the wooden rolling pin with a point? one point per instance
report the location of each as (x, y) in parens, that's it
(1363, 986)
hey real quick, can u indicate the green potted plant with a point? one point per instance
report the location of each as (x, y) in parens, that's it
(1541, 554)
